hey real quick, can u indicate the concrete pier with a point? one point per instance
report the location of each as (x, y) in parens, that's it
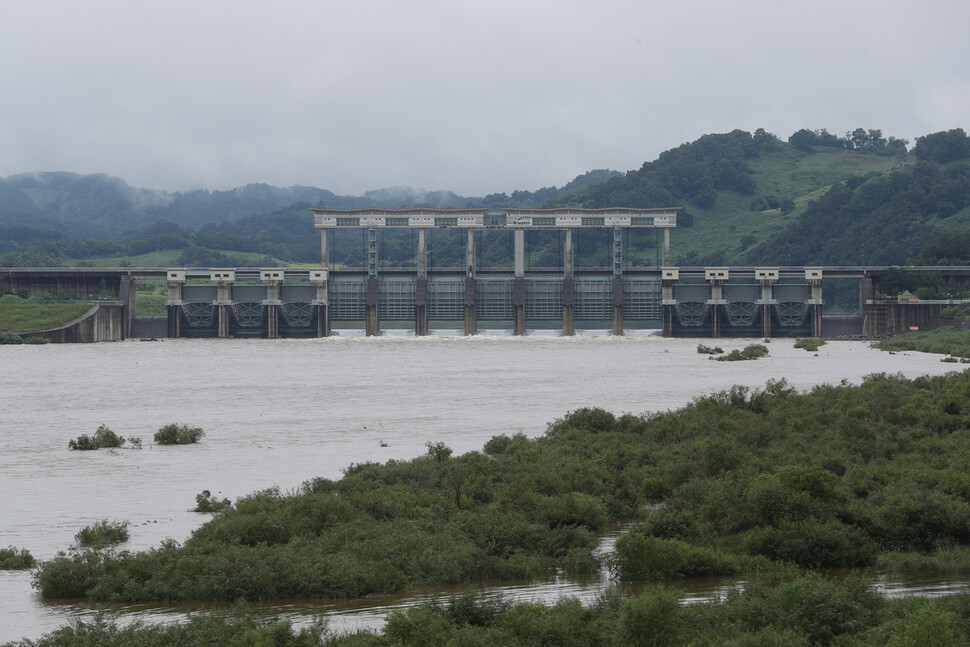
(568, 288)
(471, 323)
(518, 299)
(223, 278)
(767, 277)
(716, 276)
(273, 279)
(319, 279)
(617, 300)
(372, 325)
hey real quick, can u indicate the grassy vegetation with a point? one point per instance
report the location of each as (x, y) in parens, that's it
(787, 173)
(175, 434)
(12, 559)
(707, 350)
(750, 481)
(151, 299)
(10, 338)
(797, 612)
(945, 341)
(19, 315)
(170, 258)
(102, 534)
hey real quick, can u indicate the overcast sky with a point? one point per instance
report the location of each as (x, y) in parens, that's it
(474, 97)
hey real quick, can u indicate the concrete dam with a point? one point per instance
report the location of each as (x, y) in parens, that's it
(674, 301)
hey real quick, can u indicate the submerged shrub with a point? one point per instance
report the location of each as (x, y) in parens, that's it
(103, 437)
(654, 618)
(639, 557)
(812, 544)
(707, 350)
(751, 351)
(12, 559)
(102, 534)
(10, 338)
(810, 344)
(175, 434)
(205, 501)
(69, 576)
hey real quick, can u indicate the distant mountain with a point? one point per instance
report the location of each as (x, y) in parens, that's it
(747, 198)
(100, 205)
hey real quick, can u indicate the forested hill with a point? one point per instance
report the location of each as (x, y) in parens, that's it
(887, 219)
(747, 198)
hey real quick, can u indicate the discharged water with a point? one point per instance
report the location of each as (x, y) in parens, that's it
(277, 413)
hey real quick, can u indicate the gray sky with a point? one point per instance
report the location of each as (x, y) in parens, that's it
(474, 97)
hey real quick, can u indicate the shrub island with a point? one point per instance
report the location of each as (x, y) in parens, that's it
(742, 481)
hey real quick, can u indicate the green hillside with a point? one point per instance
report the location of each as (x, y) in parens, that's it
(747, 198)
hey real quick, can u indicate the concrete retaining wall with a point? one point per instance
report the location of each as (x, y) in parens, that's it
(102, 322)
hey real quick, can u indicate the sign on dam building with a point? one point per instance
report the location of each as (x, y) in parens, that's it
(695, 302)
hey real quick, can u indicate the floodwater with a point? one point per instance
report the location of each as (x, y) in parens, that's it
(279, 412)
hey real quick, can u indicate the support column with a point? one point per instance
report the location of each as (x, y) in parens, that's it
(717, 276)
(617, 305)
(518, 292)
(568, 288)
(617, 281)
(176, 279)
(319, 276)
(814, 277)
(126, 294)
(668, 277)
(666, 246)
(471, 321)
(223, 278)
(766, 276)
(372, 326)
(324, 252)
(421, 288)
(273, 278)
(421, 307)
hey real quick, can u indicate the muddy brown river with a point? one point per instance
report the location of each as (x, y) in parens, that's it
(279, 412)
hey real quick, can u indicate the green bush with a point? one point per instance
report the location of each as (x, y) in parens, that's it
(810, 344)
(205, 501)
(12, 559)
(175, 434)
(639, 557)
(102, 534)
(10, 338)
(707, 350)
(103, 437)
(751, 351)
(748, 479)
(812, 544)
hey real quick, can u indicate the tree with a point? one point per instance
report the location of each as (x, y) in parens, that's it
(943, 147)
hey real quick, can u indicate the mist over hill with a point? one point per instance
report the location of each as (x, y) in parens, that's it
(750, 198)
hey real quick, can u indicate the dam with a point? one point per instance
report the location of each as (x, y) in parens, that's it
(710, 302)
(467, 296)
